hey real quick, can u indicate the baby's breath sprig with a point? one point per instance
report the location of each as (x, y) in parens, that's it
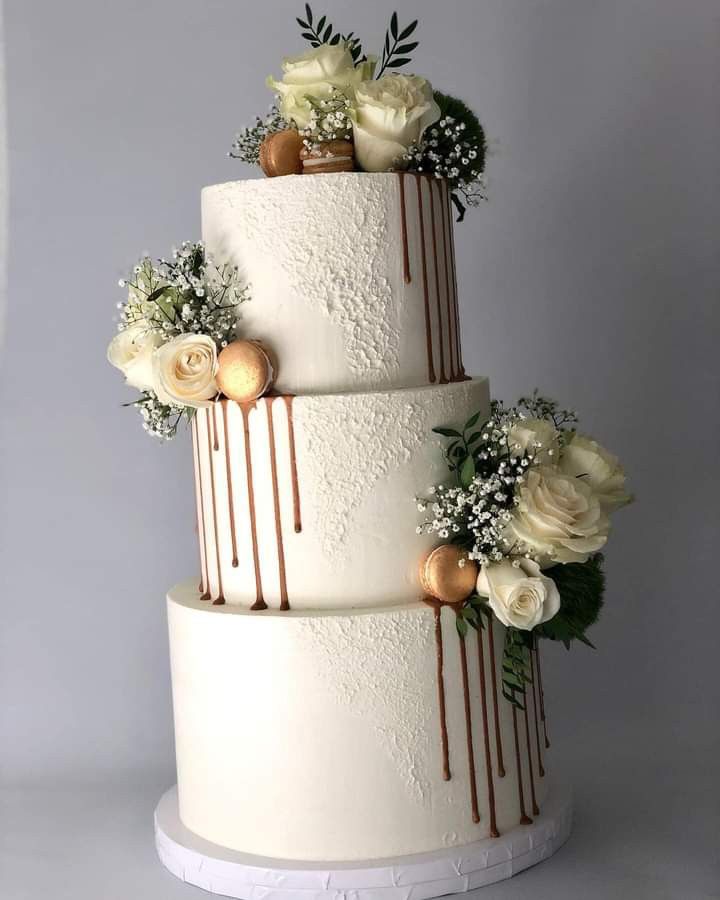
(453, 148)
(329, 120)
(187, 294)
(160, 420)
(246, 146)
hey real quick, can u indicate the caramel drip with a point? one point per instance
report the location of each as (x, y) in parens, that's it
(228, 473)
(454, 362)
(200, 500)
(541, 769)
(220, 599)
(535, 808)
(403, 223)
(276, 506)
(437, 609)
(293, 464)
(493, 675)
(524, 818)
(461, 376)
(259, 601)
(426, 292)
(443, 379)
(215, 444)
(541, 693)
(486, 735)
(468, 729)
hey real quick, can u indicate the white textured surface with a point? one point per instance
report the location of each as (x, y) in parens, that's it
(324, 258)
(239, 875)
(361, 459)
(308, 735)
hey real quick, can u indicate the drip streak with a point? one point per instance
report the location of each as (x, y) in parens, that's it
(428, 326)
(454, 362)
(541, 769)
(259, 601)
(204, 587)
(276, 506)
(403, 222)
(468, 730)
(293, 464)
(443, 379)
(486, 735)
(228, 472)
(220, 599)
(542, 697)
(493, 670)
(461, 369)
(535, 809)
(437, 609)
(524, 818)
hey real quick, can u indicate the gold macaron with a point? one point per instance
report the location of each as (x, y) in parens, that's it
(442, 576)
(280, 153)
(245, 371)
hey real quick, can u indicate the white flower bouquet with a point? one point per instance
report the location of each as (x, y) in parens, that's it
(178, 315)
(334, 94)
(529, 502)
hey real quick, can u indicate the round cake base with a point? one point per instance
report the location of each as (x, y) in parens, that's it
(419, 877)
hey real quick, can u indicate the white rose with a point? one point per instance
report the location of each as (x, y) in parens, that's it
(316, 74)
(131, 351)
(587, 460)
(520, 597)
(558, 518)
(388, 116)
(184, 370)
(526, 434)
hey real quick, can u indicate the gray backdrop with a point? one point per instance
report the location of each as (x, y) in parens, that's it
(591, 272)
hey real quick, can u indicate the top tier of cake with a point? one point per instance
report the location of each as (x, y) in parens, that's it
(352, 277)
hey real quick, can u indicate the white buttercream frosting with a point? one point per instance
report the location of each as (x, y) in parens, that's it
(316, 735)
(360, 461)
(324, 259)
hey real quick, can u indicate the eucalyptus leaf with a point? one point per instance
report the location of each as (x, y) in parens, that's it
(467, 471)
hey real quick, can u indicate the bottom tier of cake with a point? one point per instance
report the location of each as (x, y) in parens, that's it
(347, 735)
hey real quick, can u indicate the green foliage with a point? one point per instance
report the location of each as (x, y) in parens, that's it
(516, 665)
(581, 587)
(320, 31)
(395, 52)
(474, 133)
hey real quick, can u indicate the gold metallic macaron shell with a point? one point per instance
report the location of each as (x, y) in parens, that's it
(443, 578)
(280, 153)
(245, 371)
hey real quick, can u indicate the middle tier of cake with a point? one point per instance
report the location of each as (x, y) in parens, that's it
(307, 501)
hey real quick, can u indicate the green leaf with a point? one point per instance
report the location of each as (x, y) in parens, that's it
(405, 33)
(461, 625)
(476, 435)
(469, 613)
(473, 420)
(581, 587)
(467, 471)
(447, 432)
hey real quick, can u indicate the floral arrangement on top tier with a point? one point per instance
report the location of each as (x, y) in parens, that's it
(339, 109)
(525, 517)
(177, 340)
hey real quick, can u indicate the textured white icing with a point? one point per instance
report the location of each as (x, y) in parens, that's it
(361, 459)
(324, 257)
(316, 736)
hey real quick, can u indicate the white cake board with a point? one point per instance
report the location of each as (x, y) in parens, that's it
(418, 877)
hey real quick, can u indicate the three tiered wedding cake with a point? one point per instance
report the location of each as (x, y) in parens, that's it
(356, 677)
